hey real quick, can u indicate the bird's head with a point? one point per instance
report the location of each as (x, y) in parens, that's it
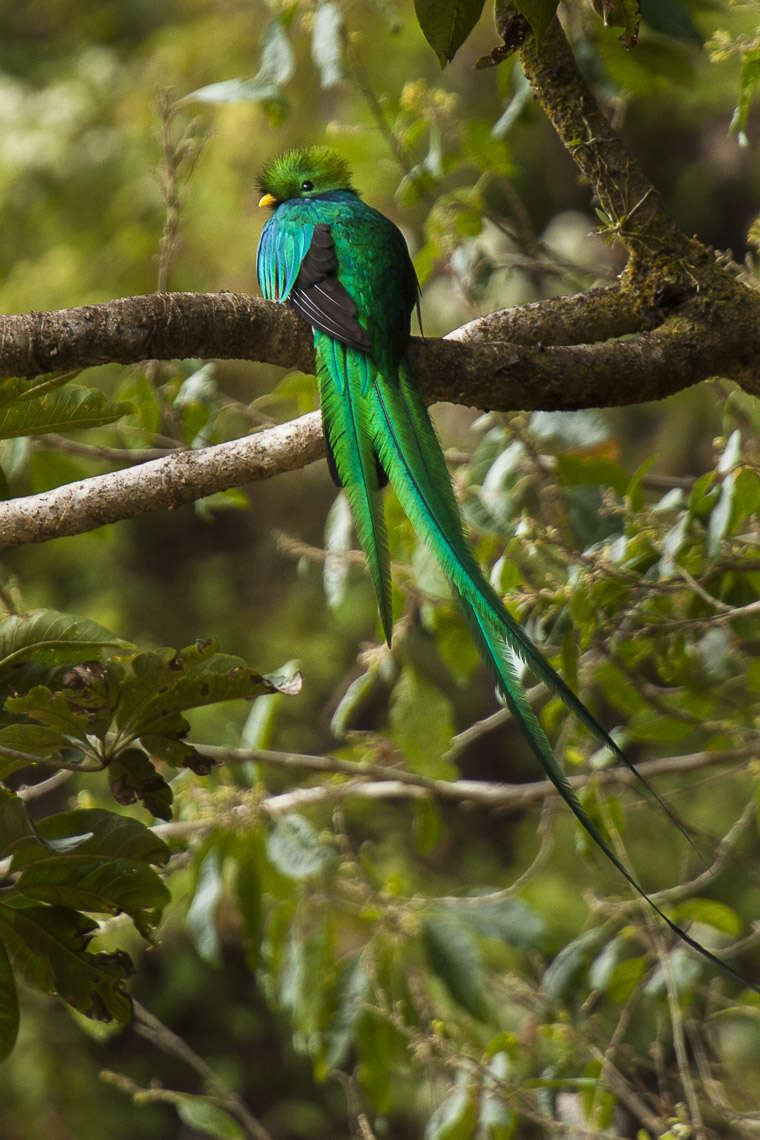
(303, 173)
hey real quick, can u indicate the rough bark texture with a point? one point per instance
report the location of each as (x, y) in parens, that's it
(683, 316)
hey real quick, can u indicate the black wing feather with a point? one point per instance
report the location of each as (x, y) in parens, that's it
(321, 299)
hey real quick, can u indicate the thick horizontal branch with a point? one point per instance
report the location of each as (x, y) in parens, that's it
(161, 484)
(495, 374)
(156, 326)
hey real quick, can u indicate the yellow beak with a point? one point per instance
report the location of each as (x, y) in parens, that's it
(268, 200)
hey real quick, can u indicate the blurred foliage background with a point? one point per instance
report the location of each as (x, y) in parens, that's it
(131, 134)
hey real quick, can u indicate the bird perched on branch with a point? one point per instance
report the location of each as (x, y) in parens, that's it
(346, 270)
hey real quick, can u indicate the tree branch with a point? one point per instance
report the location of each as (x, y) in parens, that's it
(684, 318)
(164, 483)
(467, 367)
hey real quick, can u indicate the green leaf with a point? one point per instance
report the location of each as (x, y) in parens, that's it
(100, 884)
(539, 14)
(52, 638)
(295, 849)
(426, 825)
(48, 944)
(573, 470)
(132, 777)
(748, 80)
(712, 913)
(355, 696)
(327, 43)
(422, 724)
(205, 1116)
(248, 892)
(18, 389)
(201, 914)
(686, 969)
(508, 919)
(16, 828)
(68, 410)
(455, 1119)
(338, 538)
(32, 739)
(381, 1051)
(9, 1012)
(53, 710)
(166, 683)
(109, 833)
(352, 988)
(746, 497)
(453, 957)
(571, 959)
(276, 70)
(446, 24)
(621, 14)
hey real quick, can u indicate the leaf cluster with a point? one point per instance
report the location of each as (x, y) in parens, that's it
(75, 697)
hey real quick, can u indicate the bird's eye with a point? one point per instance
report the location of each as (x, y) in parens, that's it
(307, 185)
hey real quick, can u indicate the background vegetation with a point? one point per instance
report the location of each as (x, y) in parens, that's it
(332, 934)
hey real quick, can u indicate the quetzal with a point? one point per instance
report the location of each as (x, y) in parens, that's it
(346, 270)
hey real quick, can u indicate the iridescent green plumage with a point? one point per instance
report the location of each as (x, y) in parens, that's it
(346, 269)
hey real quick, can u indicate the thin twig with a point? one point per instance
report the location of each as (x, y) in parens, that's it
(150, 1027)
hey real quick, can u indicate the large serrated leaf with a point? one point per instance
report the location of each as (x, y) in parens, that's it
(52, 638)
(17, 389)
(99, 884)
(48, 944)
(446, 24)
(53, 711)
(119, 836)
(32, 739)
(165, 684)
(70, 409)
